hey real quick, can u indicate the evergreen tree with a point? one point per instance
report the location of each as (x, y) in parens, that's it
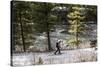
(20, 15)
(76, 17)
(43, 19)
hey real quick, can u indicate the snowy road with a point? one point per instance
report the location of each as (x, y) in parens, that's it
(67, 56)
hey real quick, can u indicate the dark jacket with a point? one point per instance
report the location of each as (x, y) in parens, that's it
(57, 44)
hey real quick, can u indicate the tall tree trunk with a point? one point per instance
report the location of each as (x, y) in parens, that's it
(22, 32)
(48, 36)
(77, 41)
(48, 30)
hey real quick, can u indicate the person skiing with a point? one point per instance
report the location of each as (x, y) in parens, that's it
(58, 47)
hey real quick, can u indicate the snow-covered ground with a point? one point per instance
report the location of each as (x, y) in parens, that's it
(67, 56)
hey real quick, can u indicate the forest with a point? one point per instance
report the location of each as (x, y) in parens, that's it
(36, 26)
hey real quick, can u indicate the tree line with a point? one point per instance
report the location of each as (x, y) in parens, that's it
(30, 18)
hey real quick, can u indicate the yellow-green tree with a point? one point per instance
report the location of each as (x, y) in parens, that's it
(76, 17)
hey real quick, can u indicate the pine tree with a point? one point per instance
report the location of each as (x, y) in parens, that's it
(43, 19)
(76, 17)
(19, 12)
